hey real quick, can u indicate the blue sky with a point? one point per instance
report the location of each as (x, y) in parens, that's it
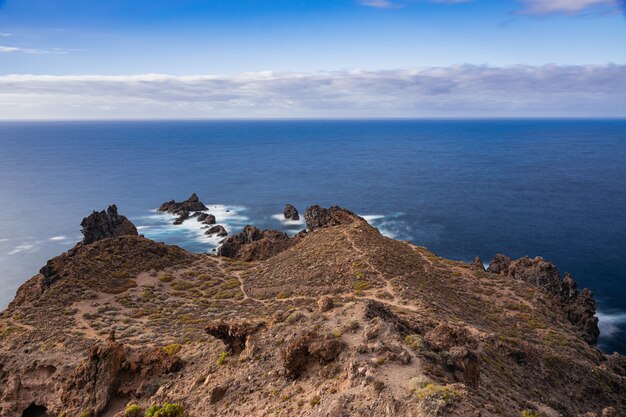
(229, 39)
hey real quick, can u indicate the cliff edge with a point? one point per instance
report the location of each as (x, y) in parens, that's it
(338, 320)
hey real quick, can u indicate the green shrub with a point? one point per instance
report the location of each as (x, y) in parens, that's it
(222, 359)
(166, 277)
(414, 341)
(133, 410)
(529, 413)
(166, 410)
(362, 286)
(172, 349)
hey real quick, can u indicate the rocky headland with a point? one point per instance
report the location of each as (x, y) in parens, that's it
(337, 320)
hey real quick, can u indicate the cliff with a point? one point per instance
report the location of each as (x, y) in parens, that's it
(335, 321)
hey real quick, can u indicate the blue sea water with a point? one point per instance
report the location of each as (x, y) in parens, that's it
(555, 188)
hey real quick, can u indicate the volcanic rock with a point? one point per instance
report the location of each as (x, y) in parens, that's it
(317, 217)
(103, 224)
(580, 307)
(206, 218)
(182, 216)
(290, 212)
(255, 244)
(466, 343)
(193, 203)
(477, 264)
(218, 230)
(499, 264)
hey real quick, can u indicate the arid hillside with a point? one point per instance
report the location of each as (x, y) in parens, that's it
(335, 321)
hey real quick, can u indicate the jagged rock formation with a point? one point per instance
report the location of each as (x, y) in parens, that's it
(580, 307)
(184, 209)
(193, 203)
(317, 217)
(253, 244)
(218, 230)
(206, 218)
(338, 321)
(103, 224)
(290, 212)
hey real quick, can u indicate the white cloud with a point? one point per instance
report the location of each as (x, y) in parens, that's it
(566, 6)
(534, 7)
(381, 4)
(396, 4)
(457, 91)
(5, 34)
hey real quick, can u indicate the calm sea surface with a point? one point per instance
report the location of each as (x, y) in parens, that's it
(554, 188)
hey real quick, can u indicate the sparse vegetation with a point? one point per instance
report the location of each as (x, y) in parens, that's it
(414, 341)
(172, 349)
(166, 410)
(362, 285)
(133, 410)
(222, 359)
(530, 413)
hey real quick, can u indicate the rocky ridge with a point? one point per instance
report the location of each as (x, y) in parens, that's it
(335, 321)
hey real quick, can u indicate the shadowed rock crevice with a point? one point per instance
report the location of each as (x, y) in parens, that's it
(234, 335)
(253, 244)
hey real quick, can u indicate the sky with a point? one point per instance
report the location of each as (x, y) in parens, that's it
(93, 59)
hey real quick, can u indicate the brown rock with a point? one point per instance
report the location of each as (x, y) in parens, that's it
(218, 230)
(317, 217)
(477, 264)
(253, 244)
(235, 334)
(499, 264)
(290, 212)
(193, 203)
(103, 224)
(325, 304)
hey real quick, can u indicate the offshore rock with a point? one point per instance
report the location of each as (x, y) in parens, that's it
(218, 230)
(103, 224)
(290, 212)
(206, 218)
(193, 203)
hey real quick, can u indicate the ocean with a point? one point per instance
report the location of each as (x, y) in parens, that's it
(462, 188)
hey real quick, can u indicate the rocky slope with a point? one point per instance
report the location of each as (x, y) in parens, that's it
(335, 321)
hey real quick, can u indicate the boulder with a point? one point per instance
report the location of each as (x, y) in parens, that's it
(216, 230)
(477, 265)
(103, 224)
(209, 220)
(206, 218)
(307, 348)
(182, 216)
(317, 217)
(290, 212)
(255, 244)
(538, 272)
(499, 264)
